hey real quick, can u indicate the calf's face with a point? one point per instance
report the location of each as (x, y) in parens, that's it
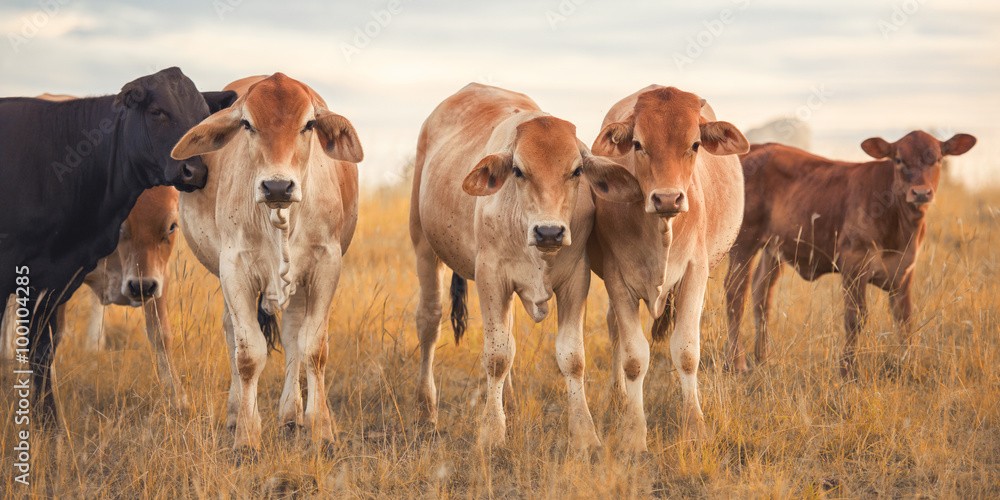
(917, 159)
(665, 134)
(277, 119)
(146, 242)
(158, 110)
(545, 164)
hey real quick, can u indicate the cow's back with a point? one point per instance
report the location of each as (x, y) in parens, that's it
(452, 141)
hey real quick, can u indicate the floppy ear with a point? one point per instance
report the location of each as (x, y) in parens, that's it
(723, 138)
(131, 95)
(877, 148)
(218, 101)
(615, 138)
(489, 175)
(338, 137)
(958, 144)
(210, 135)
(610, 180)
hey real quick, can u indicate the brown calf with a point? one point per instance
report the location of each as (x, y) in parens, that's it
(863, 220)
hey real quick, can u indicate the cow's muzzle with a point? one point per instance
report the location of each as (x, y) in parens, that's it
(141, 290)
(667, 203)
(920, 196)
(278, 192)
(549, 237)
(188, 175)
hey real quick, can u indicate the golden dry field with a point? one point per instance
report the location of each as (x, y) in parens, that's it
(928, 427)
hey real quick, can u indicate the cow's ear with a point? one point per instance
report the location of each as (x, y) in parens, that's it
(338, 137)
(877, 148)
(610, 180)
(489, 175)
(615, 138)
(132, 95)
(723, 138)
(958, 144)
(210, 135)
(218, 101)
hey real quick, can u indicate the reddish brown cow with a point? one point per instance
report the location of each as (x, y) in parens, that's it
(863, 220)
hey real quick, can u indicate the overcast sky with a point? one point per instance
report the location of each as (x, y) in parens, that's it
(849, 68)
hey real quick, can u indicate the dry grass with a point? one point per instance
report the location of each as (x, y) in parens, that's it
(792, 429)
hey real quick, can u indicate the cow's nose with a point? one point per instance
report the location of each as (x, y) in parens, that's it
(668, 202)
(277, 191)
(142, 289)
(193, 175)
(549, 236)
(921, 195)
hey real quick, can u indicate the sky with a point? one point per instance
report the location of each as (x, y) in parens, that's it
(849, 69)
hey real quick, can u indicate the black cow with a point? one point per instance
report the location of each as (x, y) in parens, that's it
(72, 172)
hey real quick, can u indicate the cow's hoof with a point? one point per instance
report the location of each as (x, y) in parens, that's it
(492, 436)
(290, 430)
(245, 455)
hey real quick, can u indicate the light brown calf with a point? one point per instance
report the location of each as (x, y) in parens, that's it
(661, 248)
(863, 220)
(499, 197)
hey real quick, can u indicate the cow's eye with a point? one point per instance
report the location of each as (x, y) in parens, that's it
(173, 227)
(155, 111)
(518, 173)
(637, 146)
(897, 161)
(578, 172)
(311, 124)
(245, 124)
(695, 146)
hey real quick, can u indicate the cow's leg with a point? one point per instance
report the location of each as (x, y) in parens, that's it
(737, 282)
(902, 310)
(617, 373)
(634, 358)
(96, 340)
(855, 311)
(495, 301)
(44, 340)
(430, 272)
(233, 402)
(161, 338)
(571, 298)
(290, 409)
(313, 344)
(765, 278)
(685, 345)
(250, 356)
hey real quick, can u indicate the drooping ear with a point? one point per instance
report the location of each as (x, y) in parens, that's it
(877, 148)
(958, 144)
(338, 137)
(218, 101)
(132, 94)
(489, 174)
(723, 138)
(610, 180)
(210, 135)
(615, 138)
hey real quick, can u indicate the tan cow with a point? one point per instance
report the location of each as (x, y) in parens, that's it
(863, 220)
(496, 198)
(666, 243)
(273, 222)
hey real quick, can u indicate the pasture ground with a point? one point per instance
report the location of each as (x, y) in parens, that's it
(929, 427)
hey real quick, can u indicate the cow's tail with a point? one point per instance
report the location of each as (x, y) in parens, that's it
(665, 321)
(459, 309)
(268, 325)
